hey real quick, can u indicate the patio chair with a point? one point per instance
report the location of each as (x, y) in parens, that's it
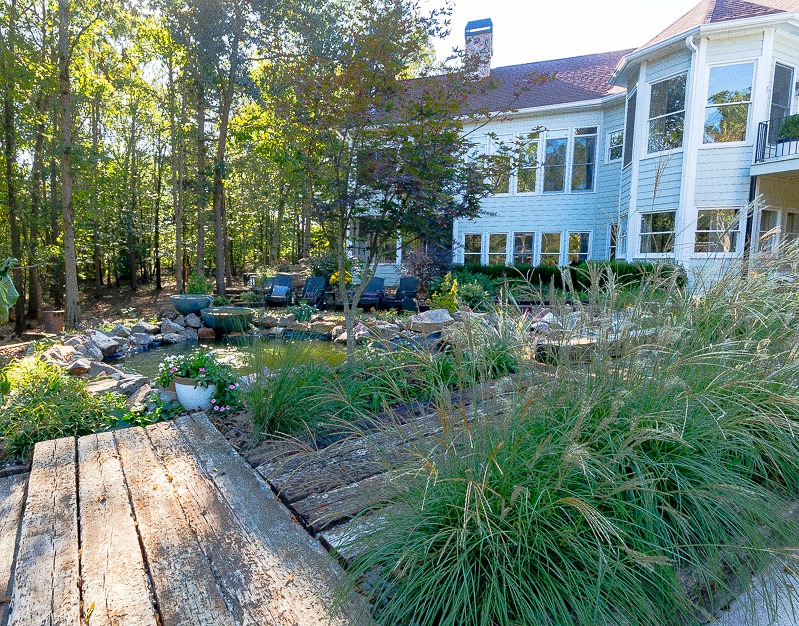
(314, 291)
(404, 298)
(280, 293)
(373, 294)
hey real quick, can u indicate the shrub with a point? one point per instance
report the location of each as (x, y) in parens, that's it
(221, 301)
(302, 312)
(199, 284)
(446, 294)
(250, 297)
(40, 402)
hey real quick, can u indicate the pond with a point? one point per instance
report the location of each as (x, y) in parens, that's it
(244, 355)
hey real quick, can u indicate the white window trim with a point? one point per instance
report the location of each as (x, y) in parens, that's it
(590, 234)
(748, 141)
(539, 242)
(570, 169)
(566, 166)
(608, 160)
(739, 238)
(795, 100)
(537, 168)
(487, 239)
(647, 153)
(654, 255)
(482, 245)
(635, 91)
(512, 246)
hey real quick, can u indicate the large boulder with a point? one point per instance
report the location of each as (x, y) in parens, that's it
(59, 355)
(323, 328)
(190, 334)
(360, 332)
(126, 384)
(79, 367)
(120, 331)
(192, 321)
(98, 368)
(169, 327)
(107, 345)
(287, 320)
(387, 330)
(141, 340)
(180, 321)
(145, 327)
(206, 333)
(171, 338)
(90, 351)
(431, 321)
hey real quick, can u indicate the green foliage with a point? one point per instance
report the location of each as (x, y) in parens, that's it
(221, 301)
(302, 312)
(789, 128)
(446, 294)
(199, 284)
(42, 402)
(8, 293)
(205, 370)
(327, 264)
(250, 297)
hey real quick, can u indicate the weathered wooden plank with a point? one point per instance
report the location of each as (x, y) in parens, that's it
(46, 579)
(345, 540)
(12, 497)
(304, 576)
(114, 580)
(183, 583)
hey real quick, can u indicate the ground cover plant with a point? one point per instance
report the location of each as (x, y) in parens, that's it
(641, 485)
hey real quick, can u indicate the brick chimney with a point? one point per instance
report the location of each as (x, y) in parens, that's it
(480, 43)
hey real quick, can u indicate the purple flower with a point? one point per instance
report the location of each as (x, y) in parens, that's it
(213, 400)
(216, 408)
(227, 408)
(202, 369)
(173, 370)
(233, 386)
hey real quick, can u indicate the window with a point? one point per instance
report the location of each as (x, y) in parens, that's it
(528, 168)
(782, 91)
(584, 159)
(769, 229)
(523, 248)
(389, 252)
(657, 232)
(555, 162)
(728, 99)
(497, 249)
(614, 242)
(550, 249)
(791, 228)
(667, 114)
(717, 230)
(500, 150)
(579, 247)
(473, 249)
(629, 128)
(615, 146)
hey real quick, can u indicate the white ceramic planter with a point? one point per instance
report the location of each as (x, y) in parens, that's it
(193, 398)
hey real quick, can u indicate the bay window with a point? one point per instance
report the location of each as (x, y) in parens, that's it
(728, 100)
(584, 159)
(667, 114)
(657, 232)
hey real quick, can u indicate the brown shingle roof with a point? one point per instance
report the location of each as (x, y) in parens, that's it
(576, 79)
(716, 11)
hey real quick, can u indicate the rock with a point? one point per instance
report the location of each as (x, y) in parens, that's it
(127, 384)
(170, 328)
(387, 330)
(142, 340)
(124, 343)
(98, 368)
(169, 314)
(542, 328)
(139, 398)
(192, 321)
(336, 332)
(74, 341)
(206, 333)
(430, 321)
(360, 332)
(172, 338)
(322, 327)
(120, 331)
(145, 327)
(79, 367)
(277, 331)
(59, 355)
(287, 320)
(90, 351)
(302, 327)
(106, 344)
(268, 321)
(190, 334)
(180, 321)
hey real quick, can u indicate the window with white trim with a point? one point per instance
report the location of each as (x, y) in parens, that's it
(657, 232)
(473, 249)
(728, 99)
(523, 248)
(497, 248)
(550, 249)
(579, 248)
(527, 174)
(500, 147)
(667, 114)
(769, 229)
(629, 127)
(555, 149)
(618, 240)
(614, 146)
(584, 159)
(717, 230)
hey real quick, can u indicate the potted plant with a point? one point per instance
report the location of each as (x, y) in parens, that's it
(197, 296)
(200, 381)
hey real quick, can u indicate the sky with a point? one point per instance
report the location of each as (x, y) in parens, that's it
(538, 30)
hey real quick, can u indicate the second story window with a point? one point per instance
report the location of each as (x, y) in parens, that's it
(584, 159)
(728, 99)
(528, 167)
(629, 128)
(667, 114)
(615, 146)
(555, 162)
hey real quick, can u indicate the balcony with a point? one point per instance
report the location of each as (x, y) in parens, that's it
(777, 145)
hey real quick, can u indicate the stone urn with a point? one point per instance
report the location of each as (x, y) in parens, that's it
(188, 303)
(192, 396)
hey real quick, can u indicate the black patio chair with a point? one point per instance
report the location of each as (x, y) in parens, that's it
(314, 291)
(373, 294)
(404, 298)
(280, 293)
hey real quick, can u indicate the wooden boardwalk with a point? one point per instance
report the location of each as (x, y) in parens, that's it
(163, 526)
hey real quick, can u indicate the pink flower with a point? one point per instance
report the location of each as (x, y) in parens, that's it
(233, 386)
(202, 369)
(227, 408)
(213, 400)
(216, 408)
(173, 370)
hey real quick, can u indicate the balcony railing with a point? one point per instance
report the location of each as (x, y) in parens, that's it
(777, 138)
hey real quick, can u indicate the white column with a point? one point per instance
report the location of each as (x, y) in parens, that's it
(640, 140)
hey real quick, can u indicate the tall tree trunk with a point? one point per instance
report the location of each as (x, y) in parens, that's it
(96, 259)
(228, 244)
(200, 176)
(34, 281)
(157, 208)
(134, 184)
(72, 316)
(57, 287)
(173, 161)
(278, 226)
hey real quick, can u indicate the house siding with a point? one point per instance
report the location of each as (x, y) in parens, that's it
(786, 49)
(722, 176)
(727, 50)
(666, 66)
(659, 181)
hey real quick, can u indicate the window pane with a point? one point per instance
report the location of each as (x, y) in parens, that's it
(730, 83)
(782, 92)
(473, 249)
(667, 114)
(768, 229)
(668, 96)
(629, 129)
(497, 249)
(550, 249)
(528, 165)
(578, 247)
(588, 130)
(523, 249)
(584, 164)
(717, 230)
(615, 145)
(665, 133)
(791, 227)
(726, 123)
(657, 232)
(614, 241)
(554, 165)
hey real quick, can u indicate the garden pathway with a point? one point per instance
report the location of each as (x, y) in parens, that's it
(166, 526)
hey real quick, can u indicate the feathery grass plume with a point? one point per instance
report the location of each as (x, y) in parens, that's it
(643, 483)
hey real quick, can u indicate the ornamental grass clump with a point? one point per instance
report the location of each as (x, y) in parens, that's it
(643, 485)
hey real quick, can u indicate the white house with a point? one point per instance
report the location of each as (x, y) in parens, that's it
(652, 153)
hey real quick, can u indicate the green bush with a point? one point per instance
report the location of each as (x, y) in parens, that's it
(302, 312)
(41, 402)
(221, 301)
(250, 297)
(199, 284)
(445, 295)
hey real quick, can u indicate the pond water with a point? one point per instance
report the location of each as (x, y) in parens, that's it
(244, 355)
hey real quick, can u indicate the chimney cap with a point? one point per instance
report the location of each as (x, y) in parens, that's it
(479, 26)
